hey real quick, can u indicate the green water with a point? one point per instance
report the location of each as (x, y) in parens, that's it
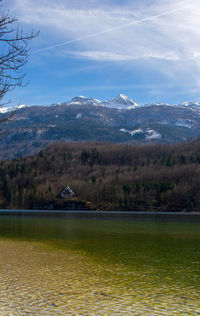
(98, 266)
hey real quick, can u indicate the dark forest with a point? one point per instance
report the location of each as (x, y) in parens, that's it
(105, 176)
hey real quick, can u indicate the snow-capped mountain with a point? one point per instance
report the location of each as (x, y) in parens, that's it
(123, 102)
(5, 109)
(120, 102)
(11, 109)
(188, 105)
(192, 105)
(158, 104)
(87, 119)
(81, 100)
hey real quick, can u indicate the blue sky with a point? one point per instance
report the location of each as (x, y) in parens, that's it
(148, 50)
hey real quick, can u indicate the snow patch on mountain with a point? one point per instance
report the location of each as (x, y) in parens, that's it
(184, 123)
(21, 106)
(179, 122)
(191, 105)
(152, 134)
(79, 115)
(133, 132)
(149, 133)
(157, 104)
(81, 100)
(121, 102)
(5, 110)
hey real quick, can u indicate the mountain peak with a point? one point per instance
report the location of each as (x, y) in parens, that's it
(192, 105)
(81, 100)
(125, 100)
(121, 102)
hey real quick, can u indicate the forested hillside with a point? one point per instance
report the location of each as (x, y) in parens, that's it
(32, 128)
(105, 176)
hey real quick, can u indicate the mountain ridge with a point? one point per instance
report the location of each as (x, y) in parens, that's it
(121, 101)
(87, 119)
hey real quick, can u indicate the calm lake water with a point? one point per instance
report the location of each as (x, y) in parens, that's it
(99, 265)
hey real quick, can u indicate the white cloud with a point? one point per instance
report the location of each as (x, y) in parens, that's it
(176, 34)
(111, 56)
(102, 55)
(172, 38)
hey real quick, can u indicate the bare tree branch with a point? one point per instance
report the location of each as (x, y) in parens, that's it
(14, 54)
(7, 118)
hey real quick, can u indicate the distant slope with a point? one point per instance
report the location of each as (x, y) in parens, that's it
(119, 120)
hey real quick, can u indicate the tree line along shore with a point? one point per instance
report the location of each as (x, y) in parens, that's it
(105, 176)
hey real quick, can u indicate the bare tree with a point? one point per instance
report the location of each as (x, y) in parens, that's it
(14, 53)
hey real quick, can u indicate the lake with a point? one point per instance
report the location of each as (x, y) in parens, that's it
(99, 264)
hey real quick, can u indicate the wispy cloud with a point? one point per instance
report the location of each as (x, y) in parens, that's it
(164, 32)
(111, 56)
(113, 29)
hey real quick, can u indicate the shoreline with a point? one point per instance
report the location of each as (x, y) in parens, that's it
(111, 215)
(100, 212)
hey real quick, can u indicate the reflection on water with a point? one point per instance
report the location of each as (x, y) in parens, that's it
(63, 266)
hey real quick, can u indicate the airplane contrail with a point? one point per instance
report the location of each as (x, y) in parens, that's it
(110, 30)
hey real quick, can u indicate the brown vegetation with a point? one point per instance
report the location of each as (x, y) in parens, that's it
(108, 176)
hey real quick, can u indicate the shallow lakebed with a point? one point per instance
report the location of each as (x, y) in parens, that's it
(98, 265)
